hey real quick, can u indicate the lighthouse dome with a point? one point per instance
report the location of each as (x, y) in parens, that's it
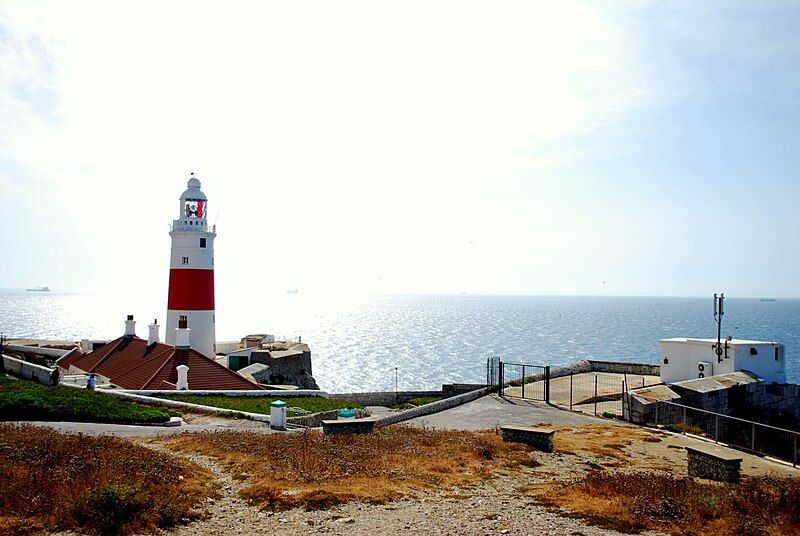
(193, 191)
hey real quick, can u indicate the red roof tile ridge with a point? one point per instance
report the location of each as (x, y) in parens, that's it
(167, 360)
(103, 359)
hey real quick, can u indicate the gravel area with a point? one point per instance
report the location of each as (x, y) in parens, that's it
(492, 507)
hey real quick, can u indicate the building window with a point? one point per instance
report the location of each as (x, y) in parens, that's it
(666, 361)
(185, 260)
(202, 242)
(753, 351)
(777, 354)
(182, 318)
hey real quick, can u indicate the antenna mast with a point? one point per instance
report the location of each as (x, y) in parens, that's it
(719, 310)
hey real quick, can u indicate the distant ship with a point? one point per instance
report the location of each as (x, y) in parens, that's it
(38, 289)
(292, 291)
(767, 299)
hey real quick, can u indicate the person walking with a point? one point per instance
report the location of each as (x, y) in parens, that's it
(55, 376)
(91, 383)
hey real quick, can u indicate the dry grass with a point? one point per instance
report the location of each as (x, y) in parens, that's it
(633, 502)
(315, 471)
(101, 485)
(602, 439)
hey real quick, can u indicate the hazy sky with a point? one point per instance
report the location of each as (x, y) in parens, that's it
(614, 148)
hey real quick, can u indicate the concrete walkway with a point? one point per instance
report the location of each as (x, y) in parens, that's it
(491, 411)
(208, 424)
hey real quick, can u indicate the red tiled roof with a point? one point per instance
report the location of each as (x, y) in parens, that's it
(130, 363)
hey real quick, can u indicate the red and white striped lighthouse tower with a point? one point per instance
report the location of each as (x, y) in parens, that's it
(191, 272)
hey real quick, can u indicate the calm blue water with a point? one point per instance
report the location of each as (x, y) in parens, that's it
(357, 343)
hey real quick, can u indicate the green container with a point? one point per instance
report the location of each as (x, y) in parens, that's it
(346, 414)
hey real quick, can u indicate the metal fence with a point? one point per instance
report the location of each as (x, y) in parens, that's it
(522, 380)
(529, 381)
(745, 435)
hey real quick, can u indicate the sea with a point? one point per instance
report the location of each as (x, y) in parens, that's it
(366, 343)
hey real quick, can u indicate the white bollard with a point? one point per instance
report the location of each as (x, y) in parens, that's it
(277, 415)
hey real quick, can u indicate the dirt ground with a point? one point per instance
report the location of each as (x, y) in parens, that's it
(501, 504)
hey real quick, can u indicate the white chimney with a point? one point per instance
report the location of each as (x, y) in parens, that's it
(86, 346)
(183, 377)
(130, 327)
(182, 335)
(153, 337)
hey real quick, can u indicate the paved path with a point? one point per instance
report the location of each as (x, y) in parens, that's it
(124, 430)
(492, 411)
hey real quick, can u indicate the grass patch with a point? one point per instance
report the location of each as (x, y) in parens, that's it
(634, 502)
(314, 471)
(301, 405)
(603, 440)
(31, 401)
(53, 481)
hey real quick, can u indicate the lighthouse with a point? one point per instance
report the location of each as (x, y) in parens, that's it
(191, 272)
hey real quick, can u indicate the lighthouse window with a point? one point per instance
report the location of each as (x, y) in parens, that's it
(753, 351)
(202, 242)
(185, 260)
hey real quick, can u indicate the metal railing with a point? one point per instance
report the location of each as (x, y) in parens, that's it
(750, 436)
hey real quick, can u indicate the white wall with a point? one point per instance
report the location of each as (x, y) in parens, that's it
(763, 364)
(679, 360)
(23, 369)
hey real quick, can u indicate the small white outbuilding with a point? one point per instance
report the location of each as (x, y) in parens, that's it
(685, 358)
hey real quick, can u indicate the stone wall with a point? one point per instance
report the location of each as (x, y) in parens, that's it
(384, 398)
(775, 399)
(285, 370)
(540, 439)
(592, 365)
(313, 421)
(29, 371)
(716, 400)
(641, 409)
(704, 464)
(348, 426)
(621, 367)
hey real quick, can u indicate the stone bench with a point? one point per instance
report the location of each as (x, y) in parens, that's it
(714, 464)
(348, 426)
(539, 438)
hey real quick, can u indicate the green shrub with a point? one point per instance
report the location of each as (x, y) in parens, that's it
(111, 507)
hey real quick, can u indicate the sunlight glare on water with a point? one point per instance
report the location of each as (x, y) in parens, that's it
(357, 341)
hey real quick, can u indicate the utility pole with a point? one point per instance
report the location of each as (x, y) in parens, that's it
(396, 398)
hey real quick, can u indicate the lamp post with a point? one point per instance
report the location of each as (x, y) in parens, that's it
(2, 347)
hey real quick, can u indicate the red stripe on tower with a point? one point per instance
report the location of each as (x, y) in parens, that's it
(191, 290)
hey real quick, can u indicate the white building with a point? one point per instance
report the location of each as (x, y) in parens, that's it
(687, 359)
(191, 273)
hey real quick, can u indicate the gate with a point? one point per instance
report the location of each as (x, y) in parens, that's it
(521, 380)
